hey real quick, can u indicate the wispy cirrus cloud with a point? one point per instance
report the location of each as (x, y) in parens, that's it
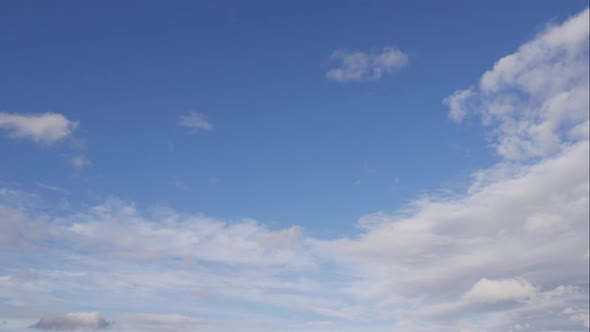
(365, 66)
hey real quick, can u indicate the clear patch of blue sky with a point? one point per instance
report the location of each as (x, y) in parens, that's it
(288, 146)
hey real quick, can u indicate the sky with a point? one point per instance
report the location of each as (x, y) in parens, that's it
(221, 166)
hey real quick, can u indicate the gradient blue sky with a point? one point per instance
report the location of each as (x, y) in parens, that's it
(280, 141)
(288, 145)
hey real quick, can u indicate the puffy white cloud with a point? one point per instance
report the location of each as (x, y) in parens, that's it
(359, 66)
(45, 128)
(195, 122)
(536, 98)
(493, 291)
(456, 103)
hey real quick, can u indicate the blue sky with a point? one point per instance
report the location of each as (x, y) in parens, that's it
(311, 129)
(287, 145)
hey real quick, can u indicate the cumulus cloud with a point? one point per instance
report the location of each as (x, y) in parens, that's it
(536, 98)
(72, 321)
(493, 291)
(45, 128)
(195, 122)
(462, 252)
(361, 66)
(441, 246)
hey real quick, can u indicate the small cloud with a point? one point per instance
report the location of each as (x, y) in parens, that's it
(72, 321)
(177, 183)
(457, 104)
(214, 180)
(80, 161)
(494, 291)
(362, 66)
(195, 122)
(45, 128)
(53, 188)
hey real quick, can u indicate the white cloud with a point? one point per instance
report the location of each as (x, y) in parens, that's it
(195, 122)
(528, 220)
(450, 243)
(437, 249)
(505, 255)
(72, 321)
(17, 230)
(544, 222)
(492, 291)
(45, 128)
(80, 161)
(166, 234)
(160, 322)
(536, 98)
(360, 66)
(178, 183)
(578, 314)
(440, 250)
(456, 103)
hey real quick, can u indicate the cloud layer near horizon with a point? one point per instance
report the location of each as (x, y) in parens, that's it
(509, 254)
